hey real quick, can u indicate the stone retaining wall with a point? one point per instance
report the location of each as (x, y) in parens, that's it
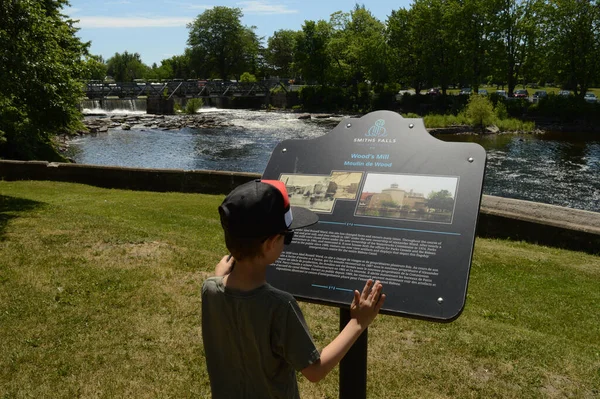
(499, 217)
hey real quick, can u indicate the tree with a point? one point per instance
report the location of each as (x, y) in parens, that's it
(178, 67)
(220, 45)
(126, 67)
(440, 200)
(408, 66)
(515, 37)
(280, 52)
(94, 67)
(357, 47)
(312, 57)
(247, 78)
(40, 65)
(480, 111)
(575, 49)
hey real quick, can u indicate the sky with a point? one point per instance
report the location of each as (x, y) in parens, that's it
(156, 29)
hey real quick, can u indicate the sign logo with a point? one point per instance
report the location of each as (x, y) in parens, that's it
(377, 130)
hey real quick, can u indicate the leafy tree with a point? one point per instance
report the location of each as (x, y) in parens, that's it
(408, 65)
(247, 77)
(280, 52)
(575, 48)
(312, 57)
(40, 64)
(126, 67)
(515, 37)
(357, 47)
(178, 67)
(94, 67)
(480, 111)
(220, 45)
(440, 200)
(472, 22)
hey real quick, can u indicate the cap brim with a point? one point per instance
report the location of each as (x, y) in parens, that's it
(302, 217)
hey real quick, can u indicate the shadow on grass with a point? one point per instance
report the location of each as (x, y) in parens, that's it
(10, 207)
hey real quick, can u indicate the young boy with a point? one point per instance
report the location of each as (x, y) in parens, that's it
(255, 336)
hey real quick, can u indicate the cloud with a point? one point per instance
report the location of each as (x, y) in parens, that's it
(70, 10)
(131, 22)
(191, 6)
(264, 7)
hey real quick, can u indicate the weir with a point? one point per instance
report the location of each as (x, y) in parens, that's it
(112, 104)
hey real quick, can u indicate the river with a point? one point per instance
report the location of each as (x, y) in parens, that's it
(555, 168)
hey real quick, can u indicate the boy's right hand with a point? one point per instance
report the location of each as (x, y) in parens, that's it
(366, 305)
(225, 266)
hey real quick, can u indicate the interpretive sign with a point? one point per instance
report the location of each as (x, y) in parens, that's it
(394, 203)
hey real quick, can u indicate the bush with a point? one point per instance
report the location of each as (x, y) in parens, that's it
(514, 125)
(480, 111)
(193, 105)
(247, 77)
(500, 110)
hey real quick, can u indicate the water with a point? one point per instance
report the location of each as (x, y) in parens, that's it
(136, 106)
(556, 168)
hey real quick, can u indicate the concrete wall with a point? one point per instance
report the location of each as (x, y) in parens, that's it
(499, 217)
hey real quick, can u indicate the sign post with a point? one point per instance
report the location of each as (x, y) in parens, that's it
(395, 204)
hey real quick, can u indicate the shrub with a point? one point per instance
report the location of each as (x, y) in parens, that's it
(193, 105)
(500, 110)
(480, 111)
(515, 125)
(247, 77)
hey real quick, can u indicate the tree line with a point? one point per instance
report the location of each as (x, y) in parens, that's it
(434, 43)
(352, 54)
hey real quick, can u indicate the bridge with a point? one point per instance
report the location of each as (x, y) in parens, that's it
(181, 89)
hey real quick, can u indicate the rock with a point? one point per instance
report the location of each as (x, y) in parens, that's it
(125, 126)
(103, 129)
(492, 129)
(307, 116)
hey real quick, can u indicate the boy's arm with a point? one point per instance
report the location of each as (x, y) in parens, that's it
(363, 310)
(225, 266)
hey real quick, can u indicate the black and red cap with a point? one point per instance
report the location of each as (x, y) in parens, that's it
(261, 208)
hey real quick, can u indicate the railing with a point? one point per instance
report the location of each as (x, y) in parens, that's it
(180, 88)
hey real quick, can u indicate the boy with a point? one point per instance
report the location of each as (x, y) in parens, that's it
(255, 336)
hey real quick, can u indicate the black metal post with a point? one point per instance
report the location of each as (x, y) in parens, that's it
(353, 367)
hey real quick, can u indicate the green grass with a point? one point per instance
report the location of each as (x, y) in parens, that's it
(505, 125)
(99, 298)
(549, 89)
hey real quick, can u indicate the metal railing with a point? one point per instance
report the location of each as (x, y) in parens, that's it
(181, 88)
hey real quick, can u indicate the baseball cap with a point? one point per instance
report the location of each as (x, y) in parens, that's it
(261, 208)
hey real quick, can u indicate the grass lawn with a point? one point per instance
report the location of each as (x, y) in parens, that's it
(99, 298)
(549, 90)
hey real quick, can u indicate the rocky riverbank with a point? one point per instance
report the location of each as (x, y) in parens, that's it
(101, 124)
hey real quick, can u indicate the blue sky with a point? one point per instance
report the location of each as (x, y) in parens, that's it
(156, 29)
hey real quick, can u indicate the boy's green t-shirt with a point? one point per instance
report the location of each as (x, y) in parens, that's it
(254, 341)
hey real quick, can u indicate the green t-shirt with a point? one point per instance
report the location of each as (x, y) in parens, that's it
(254, 341)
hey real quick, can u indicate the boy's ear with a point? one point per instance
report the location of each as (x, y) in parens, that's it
(270, 242)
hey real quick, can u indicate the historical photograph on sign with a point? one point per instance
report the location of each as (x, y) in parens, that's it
(319, 192)
(408, 197)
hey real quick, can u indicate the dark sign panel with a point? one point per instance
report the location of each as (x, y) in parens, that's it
(395, 204)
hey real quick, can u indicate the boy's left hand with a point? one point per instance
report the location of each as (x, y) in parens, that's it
(225, 266)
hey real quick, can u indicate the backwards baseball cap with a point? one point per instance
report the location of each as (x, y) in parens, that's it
(261, 208)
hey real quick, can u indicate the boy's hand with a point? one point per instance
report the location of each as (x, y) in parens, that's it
(225, 266)
(366, 305)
